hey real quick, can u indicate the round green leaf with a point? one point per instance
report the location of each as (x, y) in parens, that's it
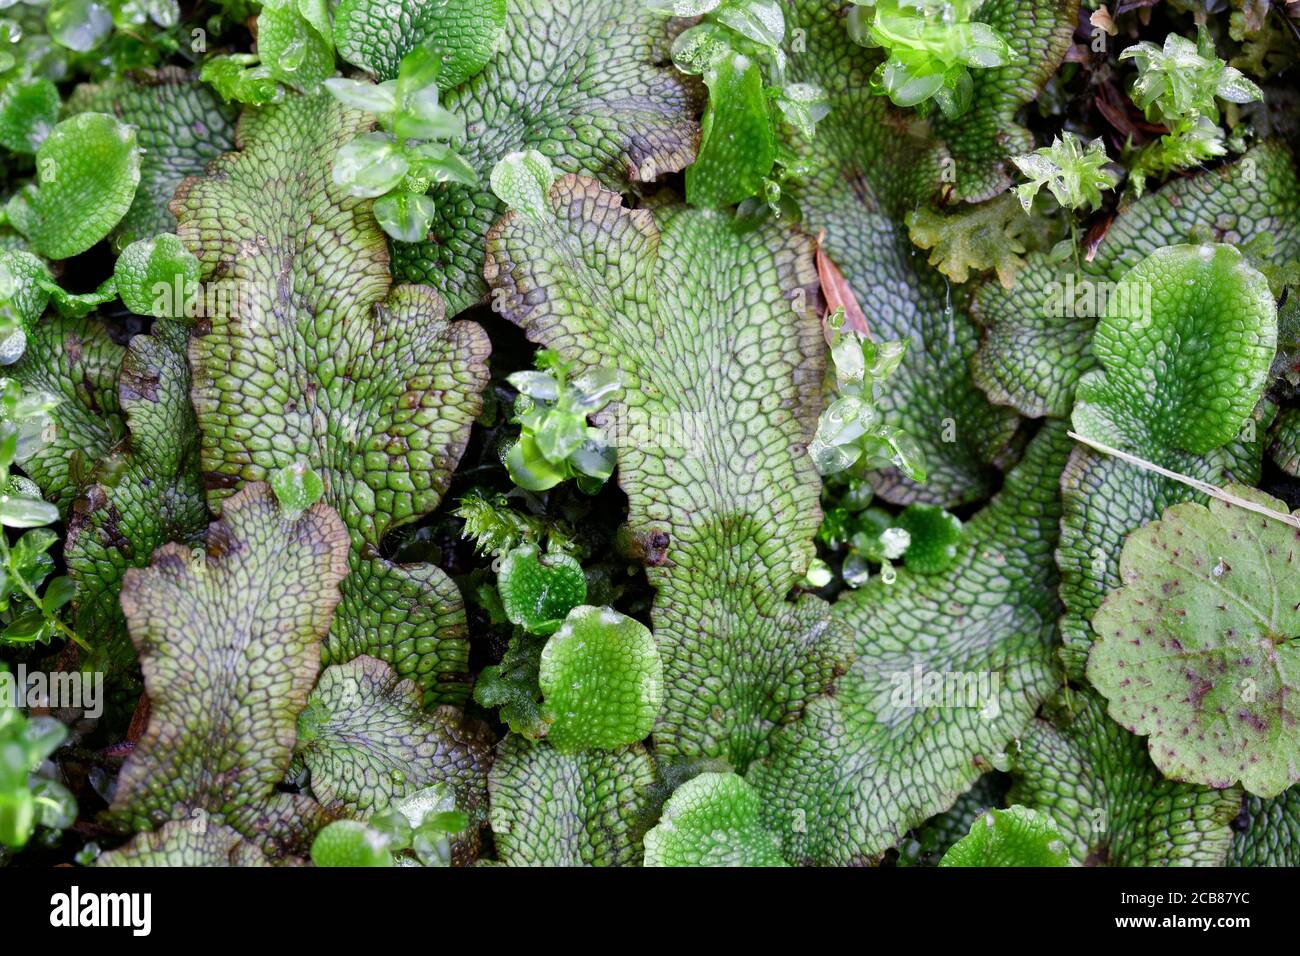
(1199, 650)
(712, 820)
(351, 843)
(87, 170)
(601, 679)
(1017, 836)
(537, 591)
(156, 276)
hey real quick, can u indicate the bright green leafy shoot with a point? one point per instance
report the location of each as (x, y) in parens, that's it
(1178, 86)
(97, 35)
(28, 800)
(496, 528)
(1074, 174)
(424, 824)
(26, 615)
(712, 820)
(602, 681)
(865, 536)
(555, 442)
(397, 165)
(297, 487)
(743, 150)
(295, 48)
(539, 590)
(932, 46)
(415, 831)
(1017, 836)
(852, 432)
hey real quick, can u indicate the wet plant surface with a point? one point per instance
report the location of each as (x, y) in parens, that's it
(681, 433)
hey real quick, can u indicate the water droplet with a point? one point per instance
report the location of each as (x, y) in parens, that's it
(79, 25)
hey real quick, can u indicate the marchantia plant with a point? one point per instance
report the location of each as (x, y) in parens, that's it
(670, 433)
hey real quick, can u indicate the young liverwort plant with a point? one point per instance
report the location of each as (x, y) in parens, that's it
(736, 48)
(555, 441)
(1178, 86)
(1075, 175)
(397, 165)
(851, 432)
(932, 47)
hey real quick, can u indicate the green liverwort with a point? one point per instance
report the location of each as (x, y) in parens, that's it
(397, 165)
(555, 442)
(736, 48)
(852, 431)
(932, 45)
(417, 831)
(1178, 86)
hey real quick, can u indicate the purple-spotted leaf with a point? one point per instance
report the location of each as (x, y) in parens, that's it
(1198, 649)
